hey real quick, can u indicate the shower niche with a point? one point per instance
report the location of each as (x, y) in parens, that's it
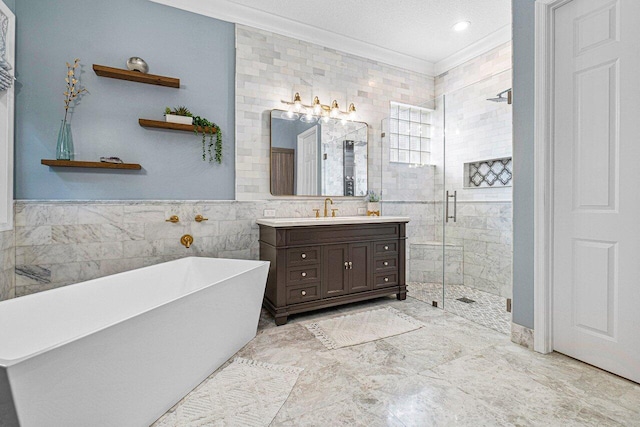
(489, 173)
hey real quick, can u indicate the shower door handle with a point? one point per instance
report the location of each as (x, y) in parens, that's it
(454, 217)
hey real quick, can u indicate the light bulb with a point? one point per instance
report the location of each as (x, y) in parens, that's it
(308, 117)
(317, 107)
(335, 109)
(297, 102)
(352, 112)
(290, 114)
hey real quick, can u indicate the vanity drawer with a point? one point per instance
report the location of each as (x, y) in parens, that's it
(389, 247)
(387, 263)
(341, 233)
(303, 293)
(303, 256)
(303, 274)
(383, 280)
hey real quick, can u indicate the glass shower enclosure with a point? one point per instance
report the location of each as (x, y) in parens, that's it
(447, 165)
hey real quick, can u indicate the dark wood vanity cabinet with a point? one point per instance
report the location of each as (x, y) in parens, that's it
(315, 267)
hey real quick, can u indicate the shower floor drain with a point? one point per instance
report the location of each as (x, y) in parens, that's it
(467, 300)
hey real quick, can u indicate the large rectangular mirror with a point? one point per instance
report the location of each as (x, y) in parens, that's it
(327, 157)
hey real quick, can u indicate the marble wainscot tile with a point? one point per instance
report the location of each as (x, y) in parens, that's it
(32, 214)
(522, 335)
(100, 214)
(29, 236)
(33, 274)
(143, 248)
(144, 213)
(89, 233)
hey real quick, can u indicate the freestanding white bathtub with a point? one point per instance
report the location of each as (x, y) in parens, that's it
(122, 350)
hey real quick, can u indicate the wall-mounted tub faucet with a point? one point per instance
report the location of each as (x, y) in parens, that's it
(186, 240)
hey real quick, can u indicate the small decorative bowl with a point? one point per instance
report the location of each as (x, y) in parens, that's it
(137, 64)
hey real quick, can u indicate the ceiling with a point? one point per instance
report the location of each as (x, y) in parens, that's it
(416, 32)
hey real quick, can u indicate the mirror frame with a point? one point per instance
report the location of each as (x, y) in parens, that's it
(312, 196)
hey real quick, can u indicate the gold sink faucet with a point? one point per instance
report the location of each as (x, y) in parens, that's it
(326, 211)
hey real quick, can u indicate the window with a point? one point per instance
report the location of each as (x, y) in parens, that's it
(409, 134)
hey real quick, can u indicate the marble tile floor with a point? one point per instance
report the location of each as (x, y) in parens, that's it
(487, 309)
(451, 372)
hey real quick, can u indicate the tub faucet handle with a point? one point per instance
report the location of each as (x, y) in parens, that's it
(173, 219)
(317, 211)
(200, 218)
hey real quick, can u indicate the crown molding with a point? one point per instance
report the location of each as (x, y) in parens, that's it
(493, 40)
(240, 14)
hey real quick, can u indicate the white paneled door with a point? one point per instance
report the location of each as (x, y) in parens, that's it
(307, 163)
(596, 199)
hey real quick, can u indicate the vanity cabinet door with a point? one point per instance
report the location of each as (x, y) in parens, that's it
(360, 267)
(335, 269)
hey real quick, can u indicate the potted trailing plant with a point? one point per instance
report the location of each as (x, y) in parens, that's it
(373, 203)
(201, 126)
(180, 115)
(209, 128)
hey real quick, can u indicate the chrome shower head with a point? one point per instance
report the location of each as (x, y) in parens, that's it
(501, 97)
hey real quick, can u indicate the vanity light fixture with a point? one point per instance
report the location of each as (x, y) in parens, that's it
(461, 26)
(352, 112)
(317, 110)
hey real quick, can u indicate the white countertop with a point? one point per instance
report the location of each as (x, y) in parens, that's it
(302, 222)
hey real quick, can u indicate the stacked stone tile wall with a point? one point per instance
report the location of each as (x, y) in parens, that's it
(7, 261)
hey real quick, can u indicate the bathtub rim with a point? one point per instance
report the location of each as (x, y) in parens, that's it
(7, 363)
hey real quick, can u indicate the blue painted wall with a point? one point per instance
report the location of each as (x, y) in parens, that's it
(523, 134)
(198, 50)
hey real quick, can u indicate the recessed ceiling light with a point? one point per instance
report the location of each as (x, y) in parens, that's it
(461, 26)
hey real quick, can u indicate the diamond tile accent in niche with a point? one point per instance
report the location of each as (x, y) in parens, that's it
(490, 173)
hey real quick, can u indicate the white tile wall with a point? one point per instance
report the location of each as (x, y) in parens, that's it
(271, 67)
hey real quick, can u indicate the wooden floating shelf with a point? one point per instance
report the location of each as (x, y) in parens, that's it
(135, 76)
(97, 165)
(167, 125)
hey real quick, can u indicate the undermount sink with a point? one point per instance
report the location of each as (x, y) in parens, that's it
(302, 222)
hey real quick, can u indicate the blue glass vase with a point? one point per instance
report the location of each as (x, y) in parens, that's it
(64, 148)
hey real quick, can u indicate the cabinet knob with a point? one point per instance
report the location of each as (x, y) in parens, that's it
(350, 265)
(346, 265)
(303, 293)
(304, 256)
(304, 274)
(386, 279)
(386, 263)
(386, 248)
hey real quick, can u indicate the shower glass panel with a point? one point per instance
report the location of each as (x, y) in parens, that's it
(412, 180)
(476, 202)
